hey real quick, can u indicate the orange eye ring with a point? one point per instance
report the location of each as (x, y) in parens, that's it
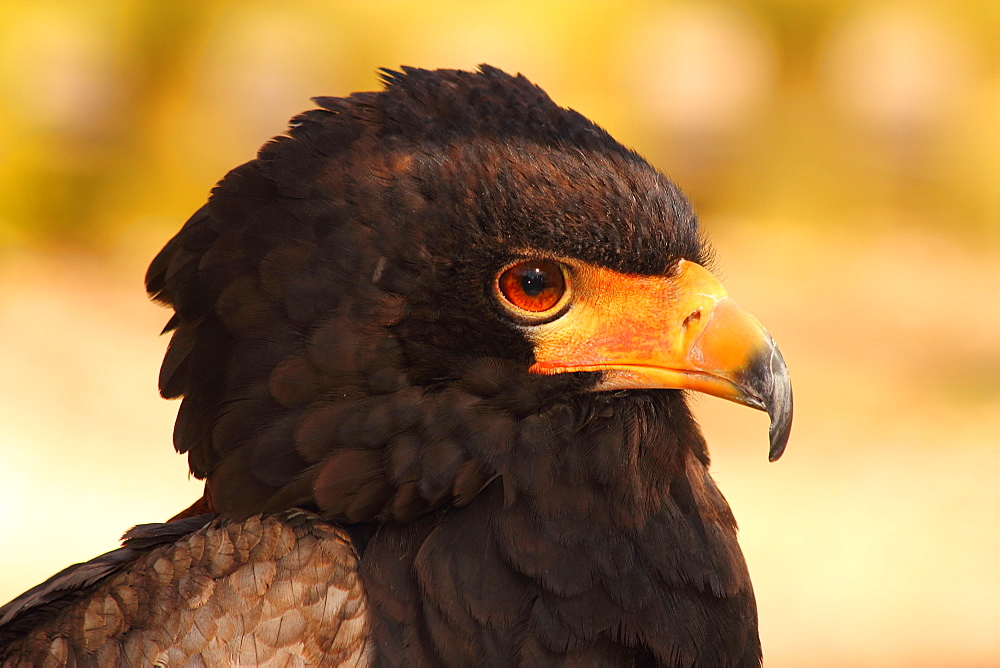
(535, 290)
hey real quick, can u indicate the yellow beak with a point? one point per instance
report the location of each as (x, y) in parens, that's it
(667, 332)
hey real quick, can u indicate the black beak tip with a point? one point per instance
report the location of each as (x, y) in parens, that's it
(781, 428)
(769, 381)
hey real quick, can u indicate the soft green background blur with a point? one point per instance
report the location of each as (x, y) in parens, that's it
(845, 160)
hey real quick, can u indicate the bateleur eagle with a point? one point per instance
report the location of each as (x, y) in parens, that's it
(432, 348)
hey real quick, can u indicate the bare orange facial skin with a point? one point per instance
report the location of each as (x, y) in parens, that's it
(668, 332)
(620, 319)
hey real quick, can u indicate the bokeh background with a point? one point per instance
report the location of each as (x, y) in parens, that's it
(844, 157)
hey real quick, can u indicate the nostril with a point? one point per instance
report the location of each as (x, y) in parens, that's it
(692, 319)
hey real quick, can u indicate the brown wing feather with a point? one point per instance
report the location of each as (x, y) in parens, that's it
(272, 590)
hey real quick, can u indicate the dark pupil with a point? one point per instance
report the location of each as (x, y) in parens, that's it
(533, 282)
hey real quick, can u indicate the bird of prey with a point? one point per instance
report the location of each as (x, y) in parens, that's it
(434, 347)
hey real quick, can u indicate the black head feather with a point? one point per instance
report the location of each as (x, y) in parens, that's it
(346, 270)
(337, 348)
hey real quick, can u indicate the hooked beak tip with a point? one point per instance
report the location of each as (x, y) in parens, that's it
(767, 380)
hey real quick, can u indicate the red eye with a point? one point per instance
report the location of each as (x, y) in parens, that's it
(535, 286)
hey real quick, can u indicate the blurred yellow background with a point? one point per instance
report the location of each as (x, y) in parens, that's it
(844, 158)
